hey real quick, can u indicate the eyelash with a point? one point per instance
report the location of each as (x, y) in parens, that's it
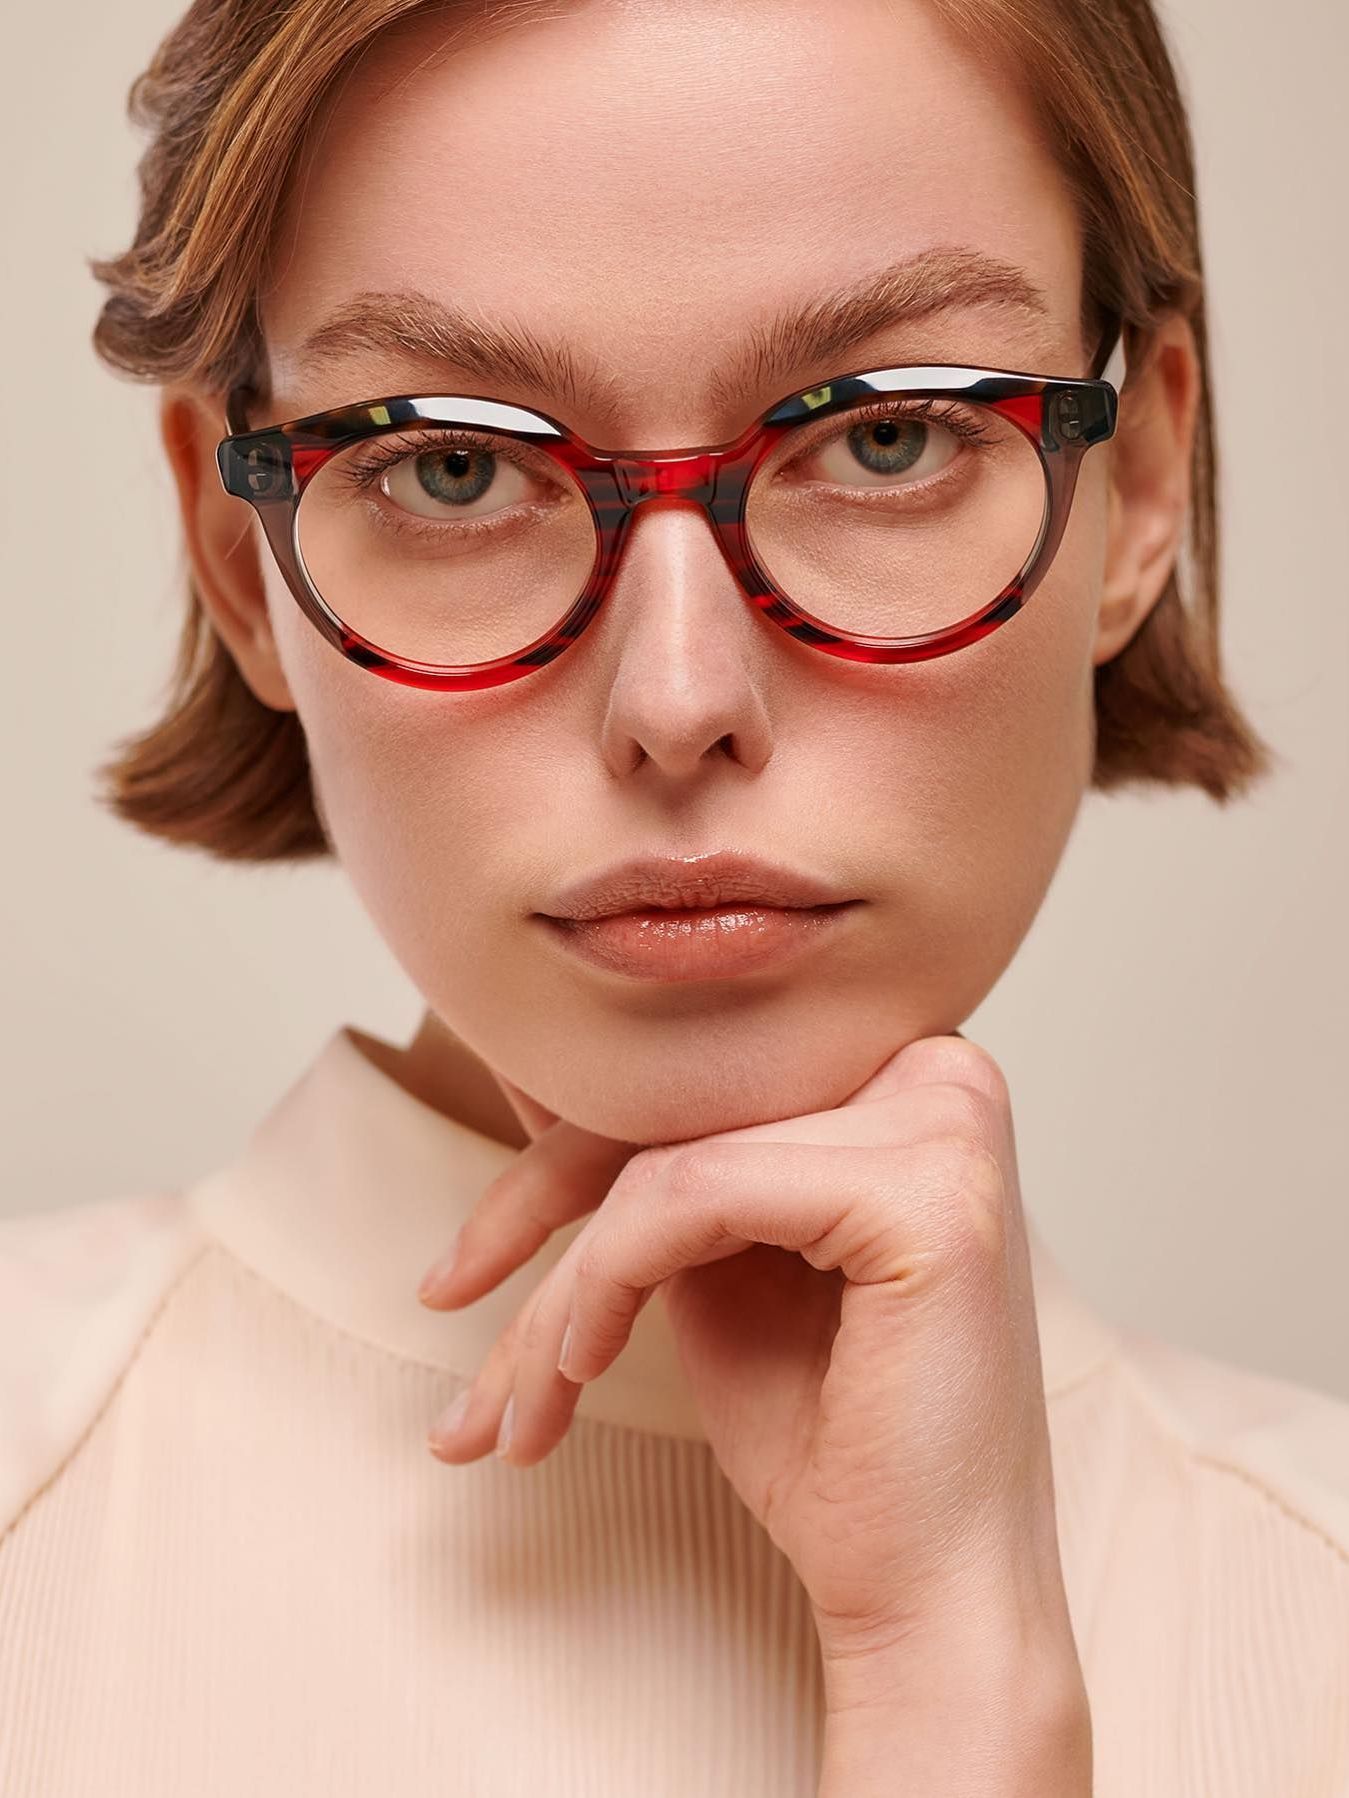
(364, 468)
(948, 413)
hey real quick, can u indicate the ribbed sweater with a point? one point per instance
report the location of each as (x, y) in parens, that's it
(230, 1564)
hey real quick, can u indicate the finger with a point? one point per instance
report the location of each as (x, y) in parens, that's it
(564, 1173)
(927, 1060)
(534, 1117)
(543, 1392)
(962, 1079)
(913, 1111)
(902, 1216)
(887, 1217)
(522, 1368)
(468, 1431)
(468, 1427)
(543, 1396)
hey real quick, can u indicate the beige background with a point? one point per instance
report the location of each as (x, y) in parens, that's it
(1173, 1027)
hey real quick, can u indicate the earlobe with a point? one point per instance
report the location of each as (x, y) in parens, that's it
(220, 534)
(1149, 496)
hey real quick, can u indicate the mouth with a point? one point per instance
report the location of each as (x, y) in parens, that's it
(672, 919)
(726, 879)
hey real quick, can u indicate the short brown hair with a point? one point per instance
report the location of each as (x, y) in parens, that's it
(227, 98)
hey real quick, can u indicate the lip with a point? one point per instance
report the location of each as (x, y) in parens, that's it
(677, 918)
(686, 883)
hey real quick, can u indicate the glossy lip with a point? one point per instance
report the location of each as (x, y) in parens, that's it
(682, 918)
(690, 883)
(707, 943)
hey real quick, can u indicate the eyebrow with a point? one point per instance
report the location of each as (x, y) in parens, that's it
(414, 325)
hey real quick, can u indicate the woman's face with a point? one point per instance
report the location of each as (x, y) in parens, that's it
(644, 185)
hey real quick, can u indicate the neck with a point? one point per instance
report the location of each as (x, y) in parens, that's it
(441, 1070)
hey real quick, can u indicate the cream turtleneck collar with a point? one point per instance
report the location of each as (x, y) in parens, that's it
(350, 1187)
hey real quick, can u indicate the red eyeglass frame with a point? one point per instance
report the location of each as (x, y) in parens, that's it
(271, 467)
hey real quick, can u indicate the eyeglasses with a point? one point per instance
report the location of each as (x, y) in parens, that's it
(458, 542)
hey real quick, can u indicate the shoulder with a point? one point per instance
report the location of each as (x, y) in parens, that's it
(1208, 1529)
(78, 1288)
(1260, 1437)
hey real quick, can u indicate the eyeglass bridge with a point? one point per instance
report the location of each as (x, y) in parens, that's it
(688, 477)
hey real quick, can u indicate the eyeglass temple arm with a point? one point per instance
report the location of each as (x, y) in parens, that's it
(1116, 363)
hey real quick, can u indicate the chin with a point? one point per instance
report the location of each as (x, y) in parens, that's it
(674, 1102)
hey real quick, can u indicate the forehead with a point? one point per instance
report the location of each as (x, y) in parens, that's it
(650, 185)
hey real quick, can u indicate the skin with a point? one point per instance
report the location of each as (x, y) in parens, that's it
(941, 792)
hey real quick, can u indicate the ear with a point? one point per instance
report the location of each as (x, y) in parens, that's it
(222, 538)
(1149, 483)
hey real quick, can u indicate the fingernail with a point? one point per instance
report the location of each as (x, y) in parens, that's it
(507, 1425)
(450, 1419)
(563, 1352)
(439, 1275)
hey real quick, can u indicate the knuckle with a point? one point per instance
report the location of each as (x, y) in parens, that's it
(944, 1162)
(486, 1205)
(509, 1198)
(529, 1332)
(534, 1224)
(645, 1169)
(982, 1077)
(966, 1111)
(589, 1266)
(927, 1058)
(954, 1060)
(609, 1314)
(602, 1307)
(695, 1172)
(978, 1069)
(964, 1188)
(504, 1353)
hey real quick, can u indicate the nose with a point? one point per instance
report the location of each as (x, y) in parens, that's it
(681, 653)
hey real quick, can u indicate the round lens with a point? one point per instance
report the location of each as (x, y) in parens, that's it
(900, 517)
(446, 545)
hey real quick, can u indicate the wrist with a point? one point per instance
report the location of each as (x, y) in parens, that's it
(993, 1719)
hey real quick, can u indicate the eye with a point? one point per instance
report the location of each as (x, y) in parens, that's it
(458, 481)
(886, 451)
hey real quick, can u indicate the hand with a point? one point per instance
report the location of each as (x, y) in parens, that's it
(851, 1298)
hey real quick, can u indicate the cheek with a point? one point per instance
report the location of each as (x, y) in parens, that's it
(988, 756)
(418, 789)
(952, 784)
(1026, 717)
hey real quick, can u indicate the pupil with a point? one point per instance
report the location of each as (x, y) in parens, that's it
(887, 446)
(456, 476)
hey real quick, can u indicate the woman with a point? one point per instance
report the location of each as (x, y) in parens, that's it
(704, 781)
